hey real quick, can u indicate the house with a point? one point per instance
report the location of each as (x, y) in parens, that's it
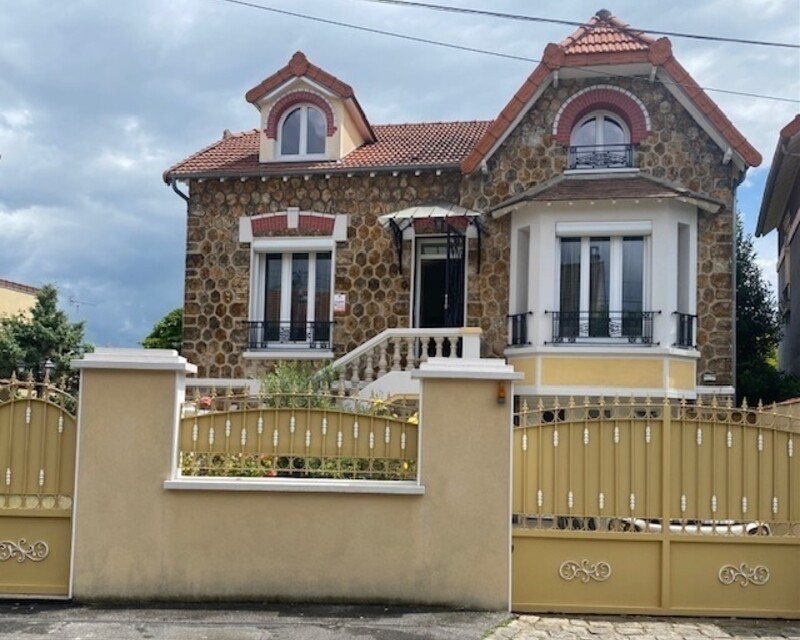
(780, 209)
(16, 298)
(587, 230)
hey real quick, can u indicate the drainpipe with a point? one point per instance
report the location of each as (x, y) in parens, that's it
(174, 184)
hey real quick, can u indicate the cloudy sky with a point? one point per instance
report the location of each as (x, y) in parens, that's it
(98, 97)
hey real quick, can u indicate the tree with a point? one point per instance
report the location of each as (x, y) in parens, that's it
(29, 341)
(167, 333)
(758, 331)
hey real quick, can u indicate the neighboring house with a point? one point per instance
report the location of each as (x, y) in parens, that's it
(16, 298)
(780, 209)
(587, 230)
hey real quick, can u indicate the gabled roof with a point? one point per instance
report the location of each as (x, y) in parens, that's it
(402, 146)
(605, 33)
(606, 41)
(620, 186)
(784, 176)
(299, 67)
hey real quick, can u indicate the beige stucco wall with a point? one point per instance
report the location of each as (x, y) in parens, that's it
(13, 302)
(136, 540)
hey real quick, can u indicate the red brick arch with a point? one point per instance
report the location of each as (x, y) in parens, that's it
(631, 112)
(292, 99)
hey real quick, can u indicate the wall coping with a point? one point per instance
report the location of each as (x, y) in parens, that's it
(290, 485)
(467, 369)
(134, 359)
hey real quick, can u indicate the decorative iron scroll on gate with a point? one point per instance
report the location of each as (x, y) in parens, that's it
(682, 504)
(37, 468)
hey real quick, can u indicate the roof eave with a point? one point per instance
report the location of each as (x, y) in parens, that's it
(784, 171)
(211, 175)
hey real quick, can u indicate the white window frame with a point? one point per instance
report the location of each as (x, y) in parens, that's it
(600, 114)
(303, 142)
(616, 232)
(260, 248)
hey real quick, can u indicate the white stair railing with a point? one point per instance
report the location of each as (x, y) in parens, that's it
(404, 350)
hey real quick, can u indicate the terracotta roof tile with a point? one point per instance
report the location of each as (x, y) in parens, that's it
(567, 188)
(431, 144)
(297, 67)
(605, 33)
(16, 286)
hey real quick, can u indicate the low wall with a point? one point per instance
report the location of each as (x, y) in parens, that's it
(134, 539)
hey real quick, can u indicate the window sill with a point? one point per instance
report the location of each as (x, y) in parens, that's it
(585, 172)
(288, 354)
(289, 485)
(304, 158)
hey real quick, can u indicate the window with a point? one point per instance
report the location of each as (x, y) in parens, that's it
(602, 290)
(600, 140)
(302, 133)
(294, 296)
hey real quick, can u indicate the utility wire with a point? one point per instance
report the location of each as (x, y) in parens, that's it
(488, 52)
(526, 18)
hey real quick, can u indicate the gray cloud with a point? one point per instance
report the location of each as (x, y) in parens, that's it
(98, 98)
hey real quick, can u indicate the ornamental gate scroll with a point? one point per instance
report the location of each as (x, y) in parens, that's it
(656, 507)
(37, 468)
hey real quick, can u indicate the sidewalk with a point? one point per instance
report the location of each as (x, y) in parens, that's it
(530, 627)
(40, 620)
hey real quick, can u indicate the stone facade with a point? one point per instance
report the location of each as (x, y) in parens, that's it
(677, 150)
(366, 266)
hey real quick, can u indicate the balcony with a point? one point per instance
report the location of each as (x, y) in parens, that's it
(518, 329)
(265, 335)
(685, 330)
(603, 327)
(593, 156)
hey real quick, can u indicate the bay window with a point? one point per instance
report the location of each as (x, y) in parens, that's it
(602, 289)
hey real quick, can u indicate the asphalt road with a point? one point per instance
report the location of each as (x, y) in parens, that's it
(40, 620)
(53, 621)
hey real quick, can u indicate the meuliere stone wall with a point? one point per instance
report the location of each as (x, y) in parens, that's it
(677, 150)
(366, 266)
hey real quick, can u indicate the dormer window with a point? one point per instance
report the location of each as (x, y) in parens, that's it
(302, 133)
(600, 140)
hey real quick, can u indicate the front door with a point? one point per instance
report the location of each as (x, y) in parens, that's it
(440, 282)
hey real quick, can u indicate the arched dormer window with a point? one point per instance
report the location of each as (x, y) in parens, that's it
(600, 140)
(302, 133)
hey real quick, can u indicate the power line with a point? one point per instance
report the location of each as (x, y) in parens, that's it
(497, 54)
(526, 18)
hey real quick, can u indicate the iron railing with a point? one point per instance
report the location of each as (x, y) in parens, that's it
(601, 156)
(634, 327)
(518, 331)
(685, 330)
(301, 433)
(271, 335)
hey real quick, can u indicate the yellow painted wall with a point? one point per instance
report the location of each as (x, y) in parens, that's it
(610, 372)
(136, 540)
(13, 302)
(682, 374)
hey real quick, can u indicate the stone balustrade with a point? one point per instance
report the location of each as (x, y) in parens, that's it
(396, 350)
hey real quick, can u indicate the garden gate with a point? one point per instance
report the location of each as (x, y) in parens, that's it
(657, 508)
(37, 469)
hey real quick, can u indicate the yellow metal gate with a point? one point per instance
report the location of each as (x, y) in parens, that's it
(658, 508)
(37, 468)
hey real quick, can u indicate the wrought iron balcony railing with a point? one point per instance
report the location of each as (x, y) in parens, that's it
(685, 330)
(634, 327)
(518, 331)
(275, 335)
(603, 156)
